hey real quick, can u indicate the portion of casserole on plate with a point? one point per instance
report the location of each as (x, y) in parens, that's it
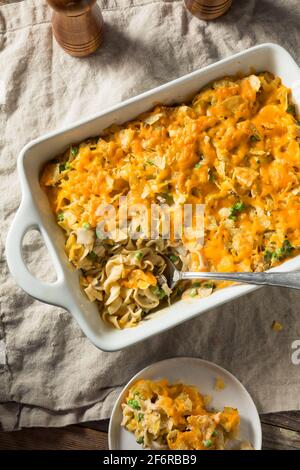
(234, 148)
(164, 416)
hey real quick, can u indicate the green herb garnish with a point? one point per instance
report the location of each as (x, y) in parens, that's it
(139, 255)
(214, 434)
(140, 416)
(134, 404)
(196, 284)
(285, 251)
(174, 258)
(60, 217)
(207, 443)
(169, 198)
(193, 293)
(281, 253)
(74, 150)
(236, 209)
(92, 256)
(149, 162)
(178, 292)
(268, 256)
(198, 165)
(140, 440)
(158, 291)
(211, 176)
(64, 166)
(209, 285)
(291, 109)
(86, 225)
(255, 138)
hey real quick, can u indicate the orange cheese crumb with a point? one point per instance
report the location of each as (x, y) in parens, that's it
(219, 384)
(276, 326)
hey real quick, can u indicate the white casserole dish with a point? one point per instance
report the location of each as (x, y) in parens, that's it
(35, 213)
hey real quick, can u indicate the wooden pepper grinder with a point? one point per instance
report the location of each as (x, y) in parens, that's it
(77, 25)
(208, 9)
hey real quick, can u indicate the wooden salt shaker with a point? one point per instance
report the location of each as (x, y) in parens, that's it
(208, 9)
(77, 25)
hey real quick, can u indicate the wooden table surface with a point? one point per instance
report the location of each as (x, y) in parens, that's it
(281, 431)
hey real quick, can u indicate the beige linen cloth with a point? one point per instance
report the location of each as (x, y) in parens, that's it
(50, 374)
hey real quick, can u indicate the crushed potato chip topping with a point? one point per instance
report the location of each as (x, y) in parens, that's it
(234, 148)
(165, 416)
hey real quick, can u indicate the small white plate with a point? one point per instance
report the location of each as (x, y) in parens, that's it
(202, 374)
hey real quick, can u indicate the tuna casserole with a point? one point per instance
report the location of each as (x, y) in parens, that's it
(175, 417)
(234, 148)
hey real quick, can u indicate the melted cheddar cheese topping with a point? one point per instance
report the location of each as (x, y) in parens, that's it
(234, 148)
(165, 416)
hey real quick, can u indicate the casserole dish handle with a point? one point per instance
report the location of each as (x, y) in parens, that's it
(24, 221)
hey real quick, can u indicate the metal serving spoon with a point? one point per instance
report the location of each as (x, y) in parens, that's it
(280, 279)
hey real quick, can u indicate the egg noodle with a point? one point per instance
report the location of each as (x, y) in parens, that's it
(234, 149)
(164, 416)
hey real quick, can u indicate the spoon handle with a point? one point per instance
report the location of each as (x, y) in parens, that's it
(286, 279)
